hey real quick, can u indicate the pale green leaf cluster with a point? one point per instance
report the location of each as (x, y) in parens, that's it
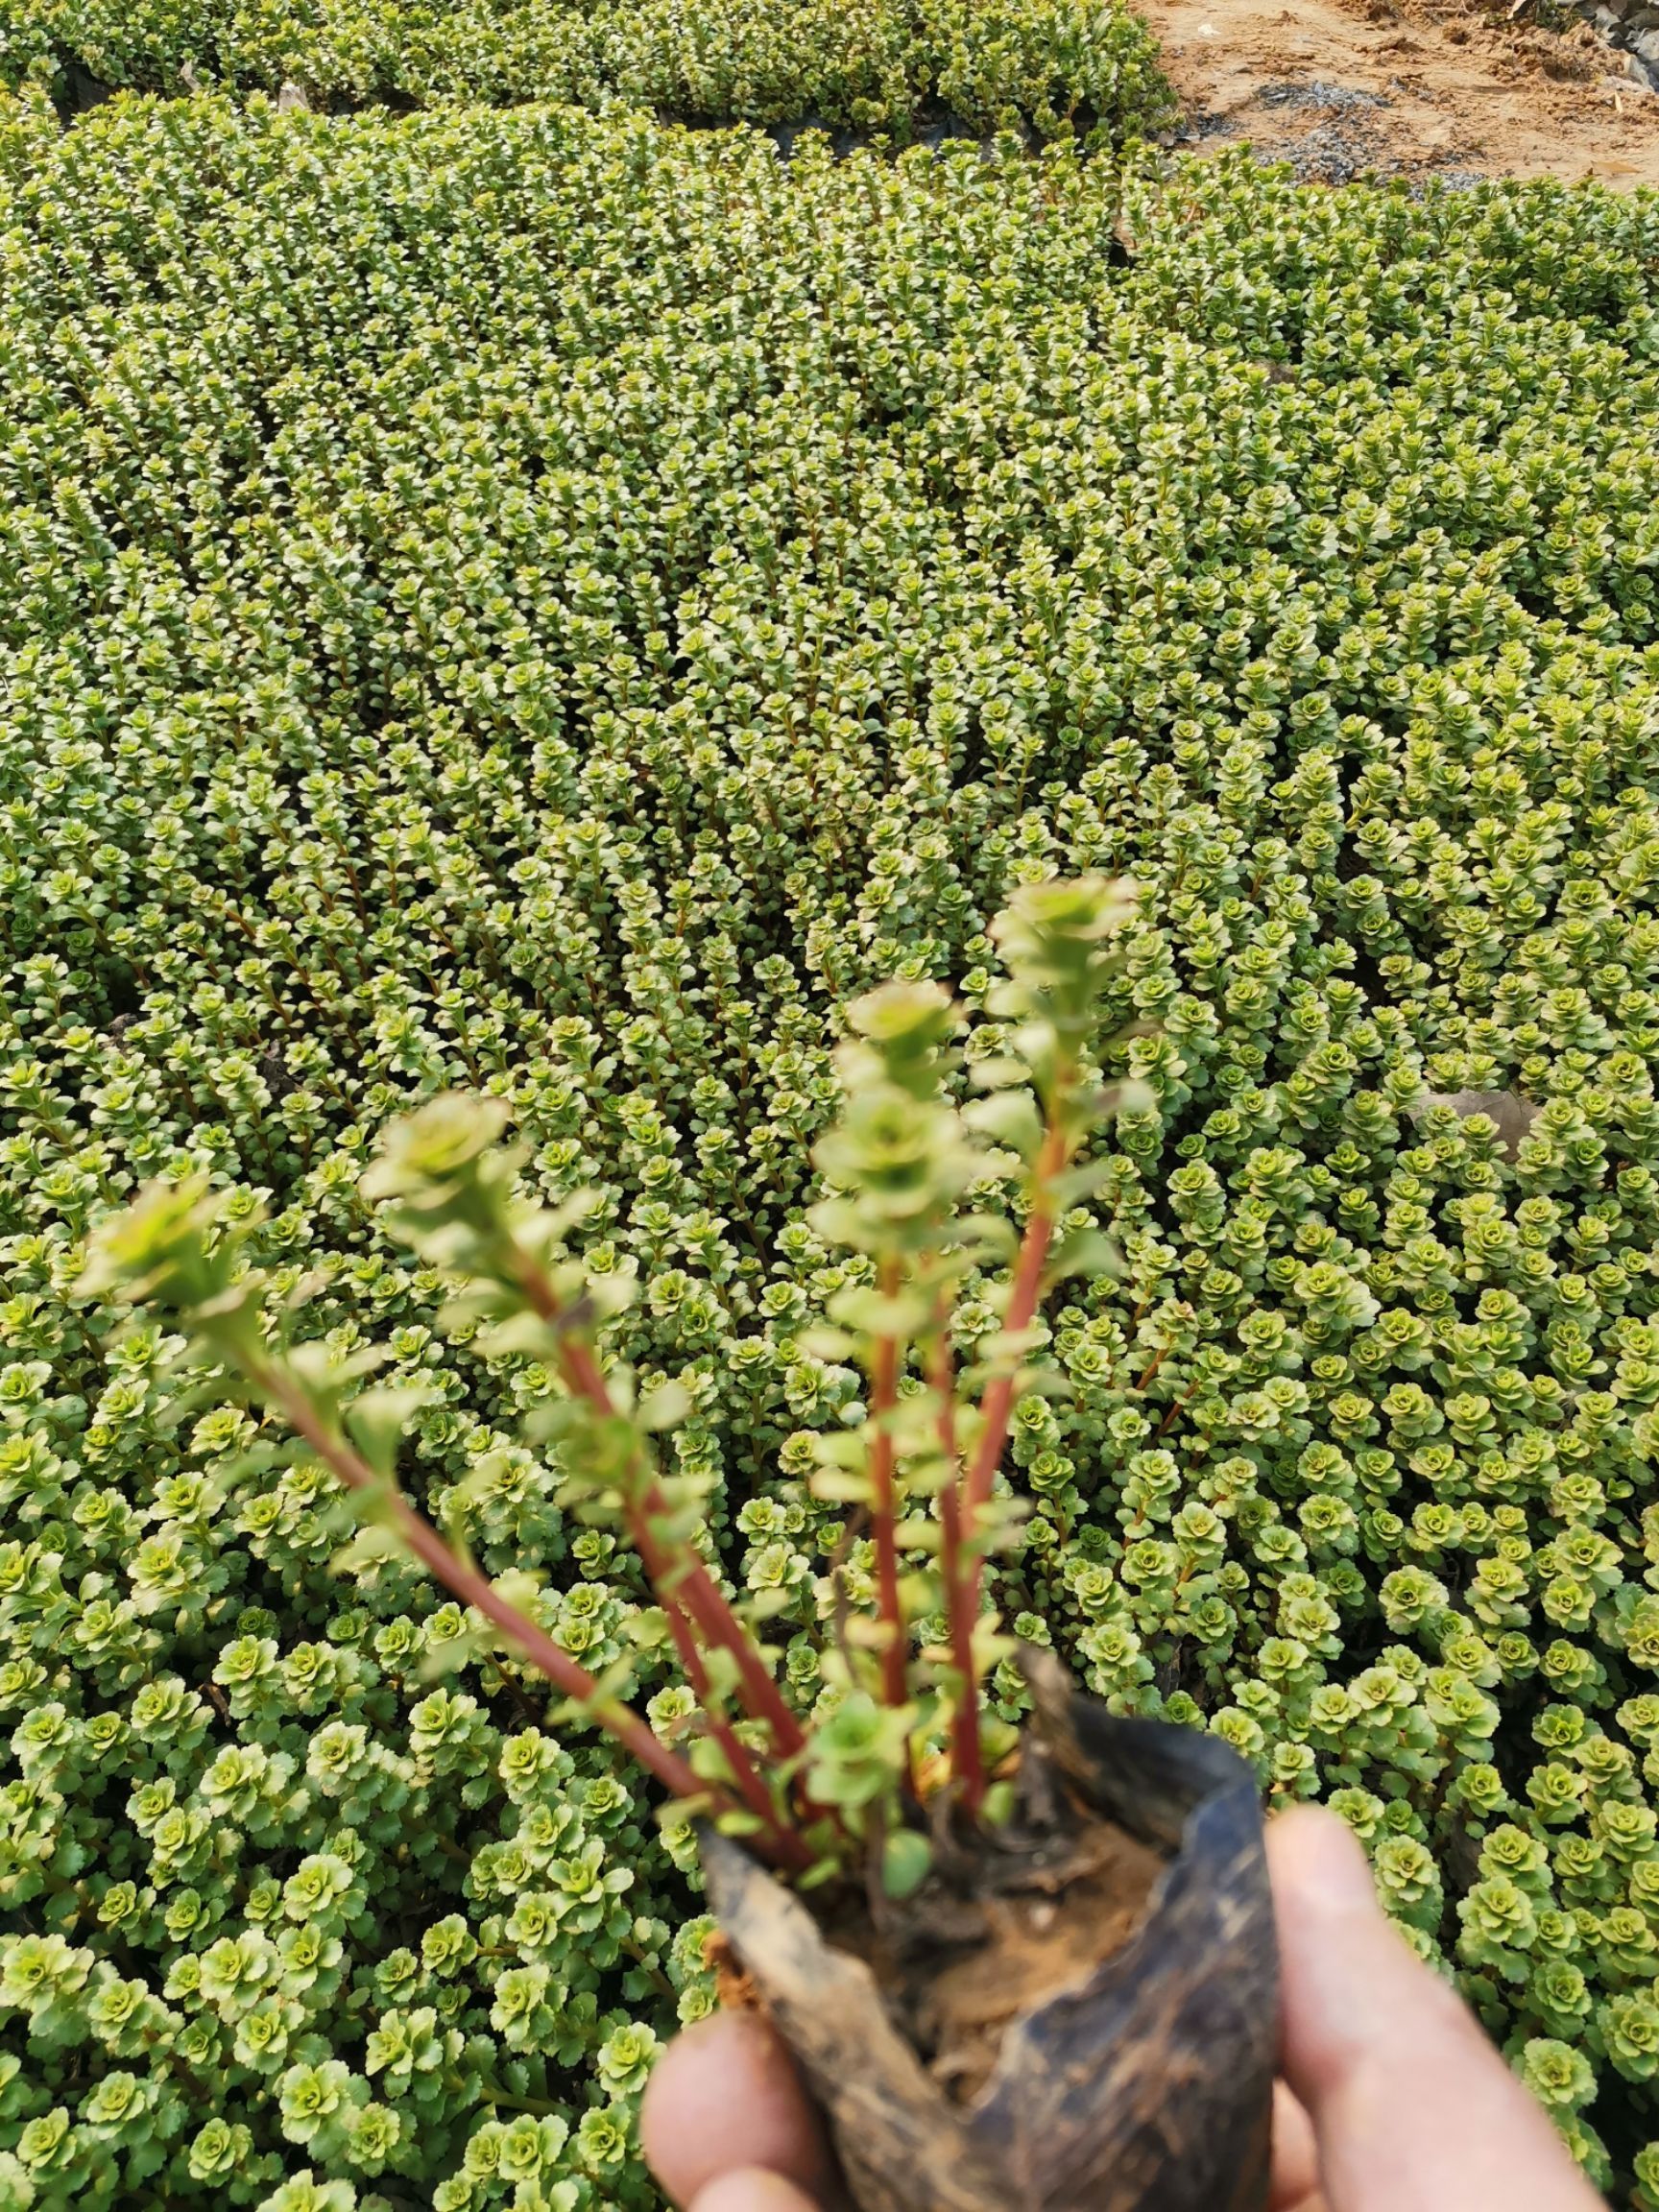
(558, 607)
(904, 68)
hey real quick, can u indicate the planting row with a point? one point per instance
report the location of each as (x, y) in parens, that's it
(896, 66)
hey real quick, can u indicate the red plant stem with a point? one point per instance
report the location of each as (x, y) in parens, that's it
(1169, 1419)
(884, 1503)
(997, 1408)
(966, 1762)
(700, 1593)
(1157, 1359)
(476, 1590)
(682, 1582)
(785, 1847)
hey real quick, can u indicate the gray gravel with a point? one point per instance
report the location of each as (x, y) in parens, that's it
(1336, 99)
(1338, 148)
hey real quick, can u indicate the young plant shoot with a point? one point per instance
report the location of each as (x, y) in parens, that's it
(951, 1176)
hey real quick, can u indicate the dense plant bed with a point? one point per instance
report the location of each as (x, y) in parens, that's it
(552, 605)
(1052, 66)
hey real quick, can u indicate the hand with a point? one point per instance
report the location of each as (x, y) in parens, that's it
(1391, 2099)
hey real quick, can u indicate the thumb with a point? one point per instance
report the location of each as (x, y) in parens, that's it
(1410, 2103)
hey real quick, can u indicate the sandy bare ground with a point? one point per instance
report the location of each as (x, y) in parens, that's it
(1418, 86)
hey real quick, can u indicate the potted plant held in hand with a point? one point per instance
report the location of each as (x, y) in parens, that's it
(1030, 1969)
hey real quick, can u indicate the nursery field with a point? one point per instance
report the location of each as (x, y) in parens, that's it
(545, 601)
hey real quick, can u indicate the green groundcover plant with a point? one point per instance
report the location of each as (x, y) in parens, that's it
(1053, 66)
(558, 608)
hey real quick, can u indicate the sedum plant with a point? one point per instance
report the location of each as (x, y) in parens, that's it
(1055, 69)
(545, 605)
(906, 1739)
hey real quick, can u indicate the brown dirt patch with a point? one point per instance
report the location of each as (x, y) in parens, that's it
(1413, 88)
(998, 1932)
(1046, 1936)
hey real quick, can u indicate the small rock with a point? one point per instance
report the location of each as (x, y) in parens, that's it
(1630, 27)
(1449, 180)
(279, 1081)
(1509, 1113)
(291, 99)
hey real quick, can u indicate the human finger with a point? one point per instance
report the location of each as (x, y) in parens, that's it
(725, 2098)
(752, 2189)
(1296, 2158)
(1410, 2103)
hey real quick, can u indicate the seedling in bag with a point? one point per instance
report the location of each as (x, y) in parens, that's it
(990, 1912)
